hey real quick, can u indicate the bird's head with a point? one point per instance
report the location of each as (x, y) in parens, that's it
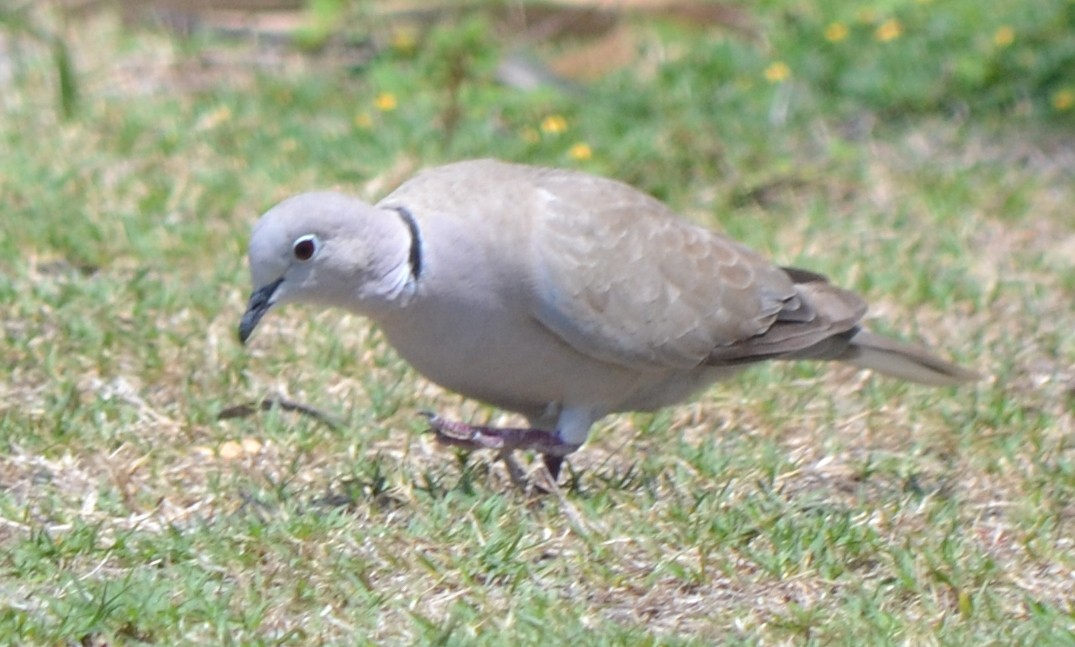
(325, 248)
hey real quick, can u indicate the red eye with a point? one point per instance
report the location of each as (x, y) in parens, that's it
(305, 248)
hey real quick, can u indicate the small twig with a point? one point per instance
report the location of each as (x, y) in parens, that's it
(581, 527)
(250, 408)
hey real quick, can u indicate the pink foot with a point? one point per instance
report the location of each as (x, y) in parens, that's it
(461, 434)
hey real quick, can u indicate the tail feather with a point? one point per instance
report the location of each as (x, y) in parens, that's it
(906, 361)
(823, 325)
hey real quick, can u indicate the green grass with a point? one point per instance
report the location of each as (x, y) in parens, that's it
(795, 504)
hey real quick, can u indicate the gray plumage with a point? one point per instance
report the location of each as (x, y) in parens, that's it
(559, 295)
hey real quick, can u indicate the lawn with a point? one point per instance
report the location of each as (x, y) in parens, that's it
(921, 153)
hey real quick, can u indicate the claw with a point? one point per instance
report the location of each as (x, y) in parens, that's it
(553, 463)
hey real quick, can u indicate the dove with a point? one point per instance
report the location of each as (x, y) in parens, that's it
(558, 295)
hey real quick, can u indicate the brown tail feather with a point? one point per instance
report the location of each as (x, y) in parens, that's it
(903, 360)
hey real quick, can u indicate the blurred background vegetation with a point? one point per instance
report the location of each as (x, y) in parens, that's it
(897, 57)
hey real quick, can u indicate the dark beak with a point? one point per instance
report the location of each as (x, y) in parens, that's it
(260, 302)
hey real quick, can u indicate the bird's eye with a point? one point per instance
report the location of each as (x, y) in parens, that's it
(305, 247)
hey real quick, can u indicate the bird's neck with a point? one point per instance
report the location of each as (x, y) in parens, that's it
(395, 262)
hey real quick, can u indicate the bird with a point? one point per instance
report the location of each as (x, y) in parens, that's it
(558, 295)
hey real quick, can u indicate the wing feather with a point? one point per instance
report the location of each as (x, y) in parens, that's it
(621, 277)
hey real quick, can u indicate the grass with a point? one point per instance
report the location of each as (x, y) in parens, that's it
(796, 504)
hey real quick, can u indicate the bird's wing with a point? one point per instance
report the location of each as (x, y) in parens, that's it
(622, 278)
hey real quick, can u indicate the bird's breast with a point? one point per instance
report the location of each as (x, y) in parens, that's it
(502, 357)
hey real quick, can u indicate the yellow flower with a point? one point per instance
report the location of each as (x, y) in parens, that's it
(836, 32)
(889, 30)
(364, 121)
(385, 102)
(214, 118)
(1003, 36)
(554, 124)
(580, 151)
(404, 40)
(777, 71)
(1064, 99)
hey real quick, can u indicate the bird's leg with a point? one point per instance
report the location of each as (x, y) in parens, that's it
(553, 463)
(503, 439)
(515, 471)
